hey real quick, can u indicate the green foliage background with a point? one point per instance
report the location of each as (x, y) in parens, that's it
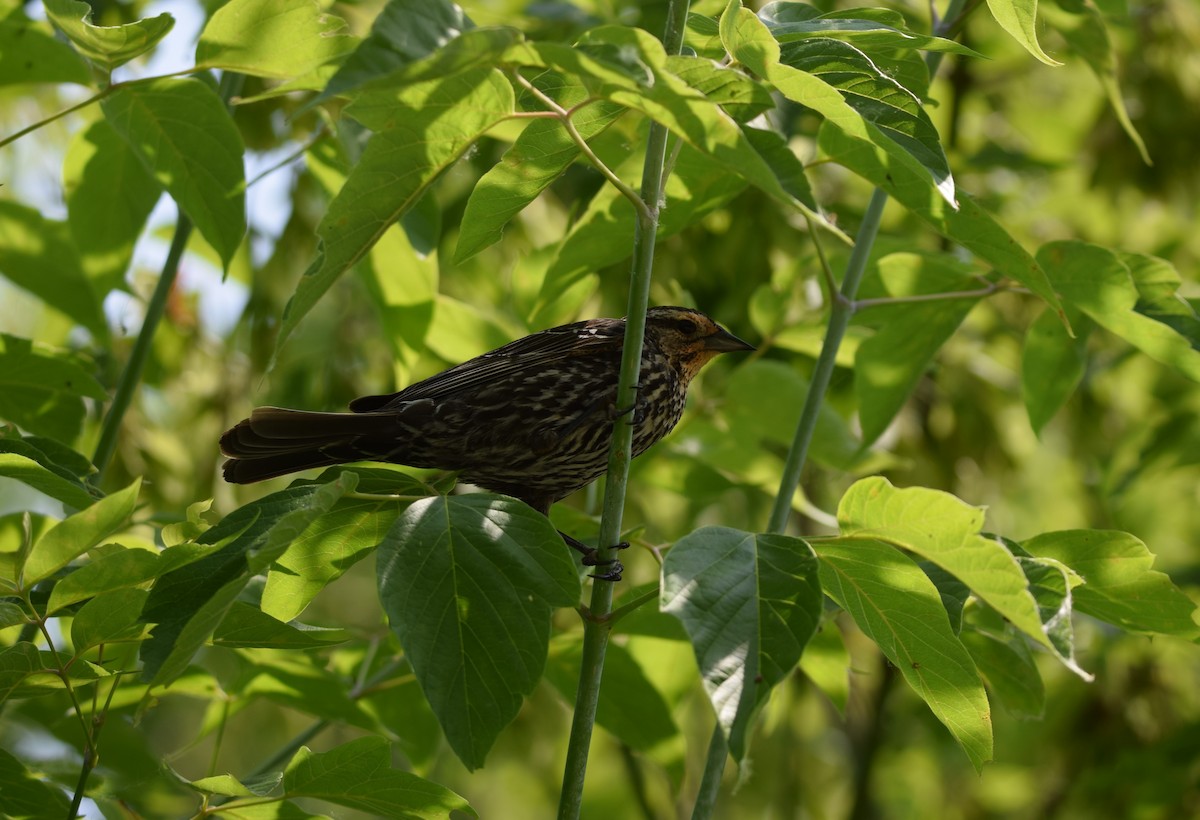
(1047, 433)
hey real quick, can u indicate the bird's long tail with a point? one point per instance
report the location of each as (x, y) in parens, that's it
(275, 441)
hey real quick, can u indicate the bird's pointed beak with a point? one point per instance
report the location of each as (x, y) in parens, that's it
(725, 342)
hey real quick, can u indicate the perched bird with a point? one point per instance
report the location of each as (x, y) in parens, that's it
(532, 419)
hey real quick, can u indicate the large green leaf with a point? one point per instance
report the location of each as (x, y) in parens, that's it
(24, 795)
(1007, 667)
(272, 38)
(109, 197)
(749, 603)
(1158, 284)
(742, 97)
(33, 469)
(30, 53)
(107, 618)
(869, 28)
(359, 775)
(468, 583)
(247, 626)
(895, 604)
(1099, 283)
(37, 254)
(187, 604)
(895, 110)
(27, 672)
(1119, 585)
(106, 46)
(119, 569)
(185, 137)
(945, 530)
(80, 532)
(42, 390)
(1019, 18)
(404, 32)
(421, 130)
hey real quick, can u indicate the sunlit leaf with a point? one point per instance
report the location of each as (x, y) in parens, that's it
(359, 775)
(116, 570)
(275, 38)
(110, 616)
(79, 533)
(870, 28)
(184, 136)
(1052, 364)
(30, 53)
(896, 605)
(106, 46)
(749, 604)
(1019, 18)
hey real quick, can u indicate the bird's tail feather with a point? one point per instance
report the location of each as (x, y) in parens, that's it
(275, 441)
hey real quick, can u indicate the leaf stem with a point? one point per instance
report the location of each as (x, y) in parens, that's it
(564, 116)
(882, 301)
(596, 632)
(710, 783)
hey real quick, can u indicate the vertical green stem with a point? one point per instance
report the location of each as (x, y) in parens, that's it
(596, 629)
(132, 375)
(710, 783)
(839, 317)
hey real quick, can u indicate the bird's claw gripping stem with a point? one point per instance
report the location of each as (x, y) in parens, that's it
(612, 567)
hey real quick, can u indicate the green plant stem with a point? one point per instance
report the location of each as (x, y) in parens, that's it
(596, 629)
(839, 317)
(131, 376)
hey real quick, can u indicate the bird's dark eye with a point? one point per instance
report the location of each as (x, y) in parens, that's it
(685, 326)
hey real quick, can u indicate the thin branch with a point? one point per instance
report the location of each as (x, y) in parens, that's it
(41, 123)
(826, 271)
(863, 304)
(290, 158)
(564, 116)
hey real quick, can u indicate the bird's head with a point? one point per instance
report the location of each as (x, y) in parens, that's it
(688, 338)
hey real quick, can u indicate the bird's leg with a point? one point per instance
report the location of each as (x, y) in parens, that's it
(613, 566)
(615, 414)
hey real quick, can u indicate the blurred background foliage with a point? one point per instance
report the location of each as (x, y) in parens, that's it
(1042, 149)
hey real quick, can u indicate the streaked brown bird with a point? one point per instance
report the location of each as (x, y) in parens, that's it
(532, 419)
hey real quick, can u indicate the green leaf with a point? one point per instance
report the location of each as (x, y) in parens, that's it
(889, 364)
(945, 530)
(1158, 284)
(185, 137)
(80, 532)
(110, 616)
(1050, 583)
(109, 198)
(866, 27)
(896, 605)
(859, 96)
(116, 570)
(398, 704)
(889, 106)
(1052, 364)
(106, 46)
(749, 604)
(420, 129)
(358, 775)
(1008, 669)
(468, 583)
(272, 38)
(24, 794)
(301, 681)
(1083, 27)
(247, 626)
(256, 809)
(1119, 586)
(324, 552)
(37, 254)
(742, 97)
(36, 474)
(30, 53)
(189, 603)
(404, 32)
(784, 163)
(629, 706)
(26, 672)
(1099, 283)
(540, 155)
(41, 389)
(1019, 19)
